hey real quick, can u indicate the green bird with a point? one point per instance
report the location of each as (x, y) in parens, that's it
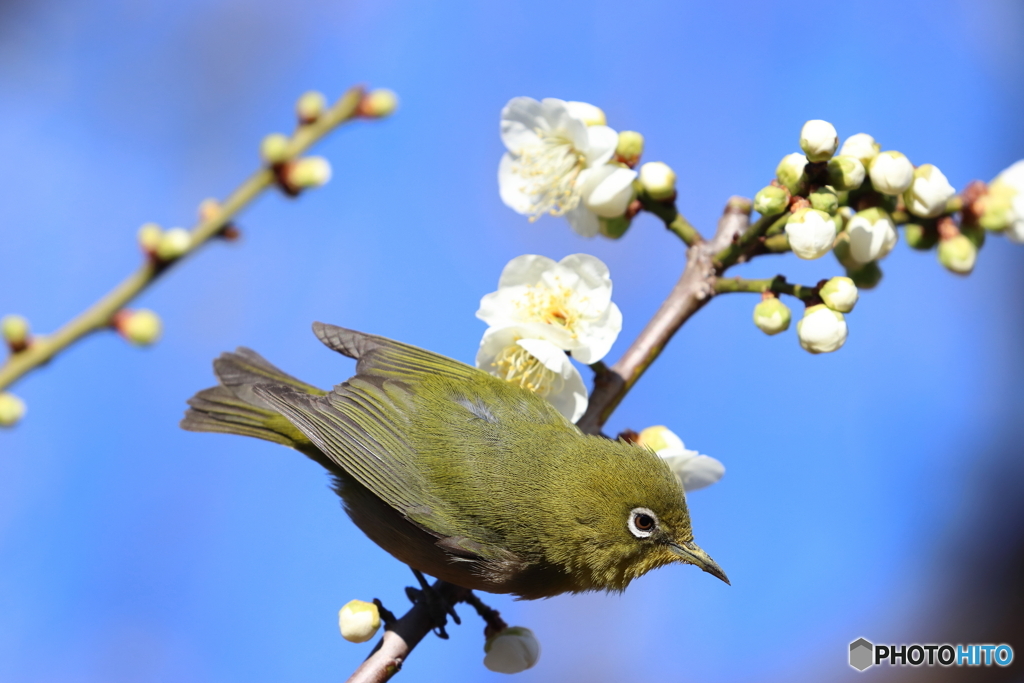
(462, 475)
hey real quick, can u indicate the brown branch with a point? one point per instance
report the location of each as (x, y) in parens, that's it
(694, 289)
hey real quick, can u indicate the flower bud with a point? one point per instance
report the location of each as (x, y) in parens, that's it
(891, 173)
(149, 237)
(846, 172)
(358, 621)
(958, 254)
(16, 331)
(824, 199)
(589, 114)
(173, 243)
(872, 235)
(141, 327)
(839, 294)
(309, 172)
(12, 409)
(1003, 205)
(630, 147)
(928, 193)
(274, 148)
(975, 234)
(771, 200)
(209, 209)
(658, 180)
(512, 650)
(613, 228)
(821, 330)
(772, 316)
(862, 146)
(790, 172)
(811, 233)
(866, 276)
(818, 140)
(919, 236)
(378, 104)
(310, 106)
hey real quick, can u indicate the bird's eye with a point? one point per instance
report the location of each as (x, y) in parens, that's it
(642, 522)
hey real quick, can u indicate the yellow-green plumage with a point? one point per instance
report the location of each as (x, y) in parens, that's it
(462, 475)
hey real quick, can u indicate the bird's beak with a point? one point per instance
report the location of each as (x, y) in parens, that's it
(691, 553)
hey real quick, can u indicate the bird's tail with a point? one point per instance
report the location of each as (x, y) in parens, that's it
(232, 407)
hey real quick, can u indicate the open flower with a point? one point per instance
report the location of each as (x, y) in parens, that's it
(521, 355)
(556, 163)
(572, 298)
(695, 471)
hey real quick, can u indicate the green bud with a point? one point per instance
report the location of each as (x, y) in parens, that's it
(149, 237)
(958, 254)
(358, 621)
(790, 172)
(824, 199)
(920, 236)
(658, 180)
(12, 409)
(613, 228)
(975, 234)
(274, 148)
(840, 294)
(142, 327)
(772, 316)
(173, 243)
(771, 200)
(866, 276)
(630, 147)
(846, 172)
(310, 106)
(995, 208)
(378, 104)
(16, 330)
(841, 249)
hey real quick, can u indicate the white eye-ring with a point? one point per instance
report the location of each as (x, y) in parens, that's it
(642, 522)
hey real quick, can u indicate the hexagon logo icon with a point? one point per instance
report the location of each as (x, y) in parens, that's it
(861, 654)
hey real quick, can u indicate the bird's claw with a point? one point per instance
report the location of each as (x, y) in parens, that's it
(437, 607)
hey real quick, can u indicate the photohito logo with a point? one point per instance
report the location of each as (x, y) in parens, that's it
(864, 654)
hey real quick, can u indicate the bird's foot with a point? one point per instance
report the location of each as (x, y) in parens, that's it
(437, 607)
(387, 617)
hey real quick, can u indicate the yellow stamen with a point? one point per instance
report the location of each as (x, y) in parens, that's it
(550, 170)
(517, 365)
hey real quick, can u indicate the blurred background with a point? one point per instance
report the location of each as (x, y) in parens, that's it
(869, 493)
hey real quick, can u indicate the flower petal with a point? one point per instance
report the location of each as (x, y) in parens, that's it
(510, 186)
(571, 401)
(583, 221)
(520, 118)
(559, 119)
(600, 145)
(699, 472)
(609, 192)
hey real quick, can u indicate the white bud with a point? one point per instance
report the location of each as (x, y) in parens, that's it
(513, 650)
(891, 173)
(658, 180)
(862, 146)
(15, 330)
(872, 235)
(587, 113)
(149, 237)
(358, 621)
(821, 330)
(142, 327)
(310, 106)
(840, 294)
(818, 140)
(790, 172)
(811, 233)
(928, 193)
(173, 243)
(958, 254)
(378, 104)
(12, 409)
(309, 172)
(274, 148)
(772, 316)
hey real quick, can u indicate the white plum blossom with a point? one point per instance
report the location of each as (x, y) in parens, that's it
(572, 299)
(818, 140)
(891, 173)
(694, 471)
(512, 650)
(521, 355)
(552, 151)
(862, 146)
(872, 235)
(1008, 186)
(929, 192)
(811, 233)
(821, 330)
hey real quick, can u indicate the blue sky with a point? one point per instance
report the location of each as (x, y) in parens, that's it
(132, 551)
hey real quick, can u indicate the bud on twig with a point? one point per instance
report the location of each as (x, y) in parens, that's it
(378, 104)
(891, 173)
(141, 327)
(771, 200)
(920, 236)
(818, 140)
(358, 621)
(274, 149)
(12, 409)
(811, 233)
(839, 294)
(862, 147)
(658, 180)
(772, 316)
(310, 106)
(824, 199)
(511, 651)
(821, 330)
(872, 235)
(928, 193)
(16, 332)
(306, 173)
(846, 172)
(958, 254)
(630, 147)
(173, 244)
(790, 172)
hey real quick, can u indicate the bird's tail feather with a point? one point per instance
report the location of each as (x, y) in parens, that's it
(232, 407)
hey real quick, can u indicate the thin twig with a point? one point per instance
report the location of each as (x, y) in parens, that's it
(100, 314)
(776, 284)
(673, 220)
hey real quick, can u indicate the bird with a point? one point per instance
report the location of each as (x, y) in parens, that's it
(460, 474)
